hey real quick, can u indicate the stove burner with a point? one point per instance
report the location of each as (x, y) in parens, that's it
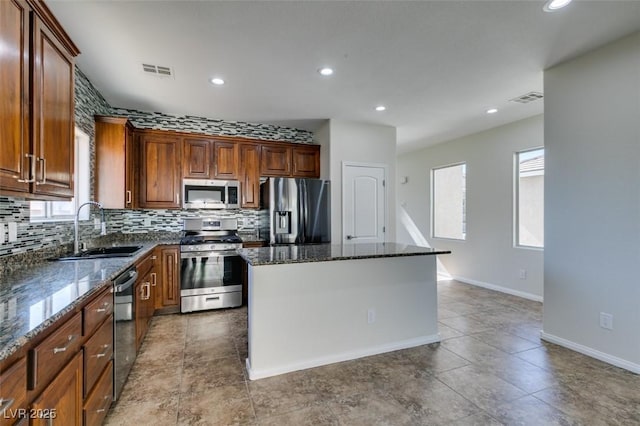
(208, 239)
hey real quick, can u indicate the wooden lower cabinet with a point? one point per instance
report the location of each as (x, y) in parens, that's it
(168, 279)
(97, 403)
(13, 392)
(61, 401)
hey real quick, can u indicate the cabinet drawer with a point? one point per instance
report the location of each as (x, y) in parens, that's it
(48, 358)
(98, 351)
(145, 264)
(97, 403)
(13, 391)
(96, 311)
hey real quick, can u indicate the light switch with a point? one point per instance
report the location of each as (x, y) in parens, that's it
(13, 232)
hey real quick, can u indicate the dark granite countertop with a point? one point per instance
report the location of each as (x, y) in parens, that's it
(34, 297)
(328, 252)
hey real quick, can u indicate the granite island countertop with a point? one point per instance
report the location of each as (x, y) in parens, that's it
(284, 254)
(36, 296)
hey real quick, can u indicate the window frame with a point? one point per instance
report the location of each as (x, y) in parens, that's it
(516, 199)
(49, 216)
(433, 206)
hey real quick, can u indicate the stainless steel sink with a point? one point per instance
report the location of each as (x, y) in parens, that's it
(101, 252)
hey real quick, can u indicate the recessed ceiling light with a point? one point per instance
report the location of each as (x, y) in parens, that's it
(217, 81)
(553, 5)
(492, 111)
(326, 71)
(381, 108)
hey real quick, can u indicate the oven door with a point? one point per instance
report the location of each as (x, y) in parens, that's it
(210, 273)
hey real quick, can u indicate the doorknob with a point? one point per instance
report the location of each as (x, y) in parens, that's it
(351, 237)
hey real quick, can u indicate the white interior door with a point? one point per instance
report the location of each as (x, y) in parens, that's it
(363, 203)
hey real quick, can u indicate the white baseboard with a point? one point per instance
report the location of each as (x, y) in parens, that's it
(524, 295)
(345, 356)
(593, 353)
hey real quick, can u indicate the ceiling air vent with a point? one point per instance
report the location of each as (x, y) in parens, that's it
(528, 97)
(157, 70)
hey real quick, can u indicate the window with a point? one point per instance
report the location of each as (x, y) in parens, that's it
(43, 211)
(529, 198)
(448, 202)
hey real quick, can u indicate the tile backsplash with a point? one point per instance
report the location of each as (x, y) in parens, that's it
(88, 102)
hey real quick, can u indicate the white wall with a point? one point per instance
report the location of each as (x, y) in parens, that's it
(592, 211)
(366, 143)
(488, 256)
(322, 138)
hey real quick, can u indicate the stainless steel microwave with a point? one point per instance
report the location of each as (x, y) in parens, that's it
(210, 194)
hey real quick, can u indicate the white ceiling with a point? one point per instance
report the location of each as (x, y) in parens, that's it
(437, 66)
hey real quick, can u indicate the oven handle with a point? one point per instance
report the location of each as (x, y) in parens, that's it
(132, 278)
(207, 254)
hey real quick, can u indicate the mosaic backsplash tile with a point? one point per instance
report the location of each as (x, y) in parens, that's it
(209, 126)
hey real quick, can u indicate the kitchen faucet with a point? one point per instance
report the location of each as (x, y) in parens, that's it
(103, 227)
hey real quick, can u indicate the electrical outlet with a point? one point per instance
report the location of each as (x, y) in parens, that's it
(147, 221)
(1, 233)
(13, 232)
(96, 223)
(371, 316)
(606, 321)
(523, 274)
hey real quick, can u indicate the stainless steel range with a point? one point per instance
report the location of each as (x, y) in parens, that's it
(211, 270)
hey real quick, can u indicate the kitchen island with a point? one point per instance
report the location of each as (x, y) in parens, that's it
(319, 304)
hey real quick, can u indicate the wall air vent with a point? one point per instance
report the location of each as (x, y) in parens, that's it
(528, 97)
(157, 70)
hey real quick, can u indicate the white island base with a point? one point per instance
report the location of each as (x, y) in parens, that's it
(304, 315)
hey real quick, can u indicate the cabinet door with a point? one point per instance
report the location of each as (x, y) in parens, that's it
(160, 171)
(197, 158)
(170, 276)
(275, 161)
(306, 161)
(226, 160)
(140, 294)
(64, 395)
(53, 114)
(14, 93)
(114, 157)
(250, 175)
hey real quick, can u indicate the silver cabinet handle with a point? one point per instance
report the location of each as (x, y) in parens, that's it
(104, 308)
(106, 349)
(43, 161)
(177, 198)
(6, 403)
(65, 347)
(128, 200)
(154, 279)
(32, 169)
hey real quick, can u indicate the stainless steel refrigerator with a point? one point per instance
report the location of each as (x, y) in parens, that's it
(295, 211)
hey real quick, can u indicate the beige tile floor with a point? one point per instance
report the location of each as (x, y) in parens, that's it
(490, 369)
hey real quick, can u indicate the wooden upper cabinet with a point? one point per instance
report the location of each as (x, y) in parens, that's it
(14, 93)
(226, 160)
(306, 161)
(115, 163)
(197, 158)
(250, 175)
(37, 67)
(160, 171)
(275, 160)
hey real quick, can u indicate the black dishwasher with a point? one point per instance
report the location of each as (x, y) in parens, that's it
(124, 330)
